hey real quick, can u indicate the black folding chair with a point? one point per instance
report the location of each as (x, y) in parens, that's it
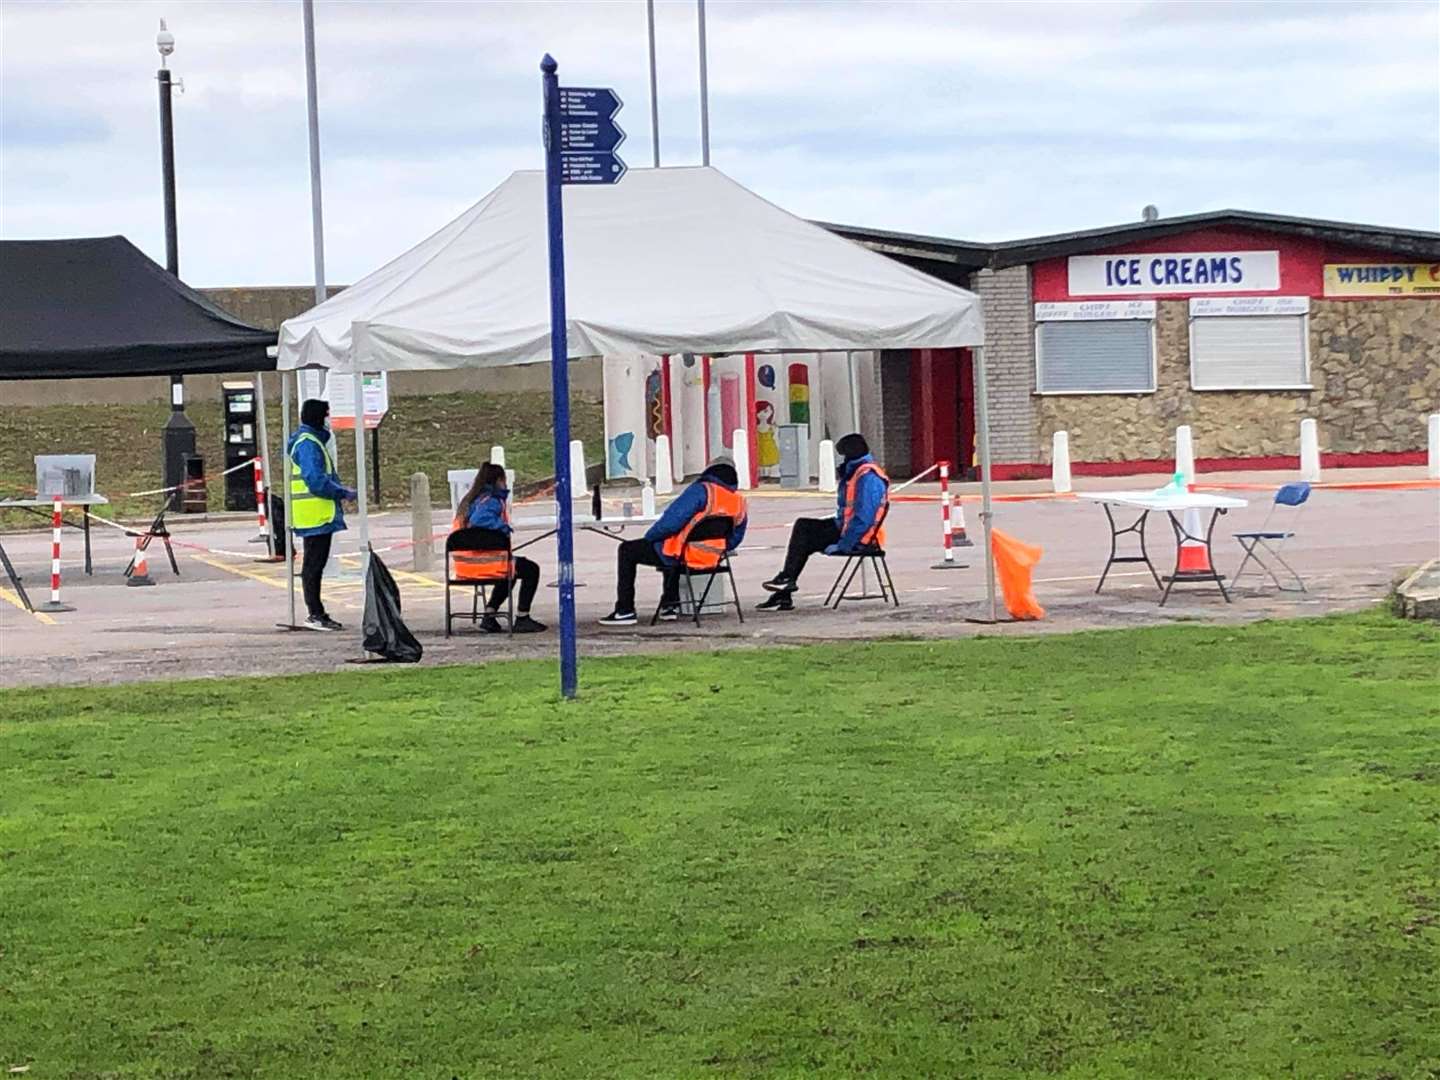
(483, 542)
(715, 531)
(854, 562)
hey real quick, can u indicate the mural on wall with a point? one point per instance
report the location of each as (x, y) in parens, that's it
(619, 461)
(766, 448)
(799, 393)
(632, 419)
(654, 406)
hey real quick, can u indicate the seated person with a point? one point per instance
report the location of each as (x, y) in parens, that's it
(862, 494)
(486, 506)
(714, 493)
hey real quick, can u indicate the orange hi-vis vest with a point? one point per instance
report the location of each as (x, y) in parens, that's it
(706, 554)
(481, 565)
(875, 534)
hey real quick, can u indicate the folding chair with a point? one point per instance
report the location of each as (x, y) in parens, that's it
(1271, 540)
(478, 559)
(716, 530)
(854, 562)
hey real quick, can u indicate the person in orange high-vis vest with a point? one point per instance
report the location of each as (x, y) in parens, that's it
(487, 506)
(861, 497)
(714, 494)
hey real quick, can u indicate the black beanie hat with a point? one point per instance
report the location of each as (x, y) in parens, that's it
(314, 412)
(852, 446)
(724, 472)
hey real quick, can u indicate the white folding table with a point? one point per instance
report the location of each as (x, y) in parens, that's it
(1174, 505)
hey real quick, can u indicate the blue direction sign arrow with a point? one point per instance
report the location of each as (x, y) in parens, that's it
(594, 168)
(589, 135)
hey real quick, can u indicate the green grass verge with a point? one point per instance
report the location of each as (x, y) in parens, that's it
(421, 434)
(1175, 852)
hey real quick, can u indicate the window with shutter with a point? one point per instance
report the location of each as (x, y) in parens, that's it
(1261, 350)
(1111, 356)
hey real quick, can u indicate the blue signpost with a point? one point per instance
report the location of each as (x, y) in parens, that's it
(581, 137)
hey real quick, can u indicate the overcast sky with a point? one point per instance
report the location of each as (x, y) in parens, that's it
(977, 121)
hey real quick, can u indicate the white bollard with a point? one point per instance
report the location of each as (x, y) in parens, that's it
(1185, 453)
(647, 500)
(740, 440)
(1060, 462)
(1433, 430)
(827, 466)
(577, 469)
(664, 470)
(497, 456)
(1310, 451)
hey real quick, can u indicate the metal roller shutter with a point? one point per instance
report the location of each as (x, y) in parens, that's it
(1101, 357)
(1252, 352)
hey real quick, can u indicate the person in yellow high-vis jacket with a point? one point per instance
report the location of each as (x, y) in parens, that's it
(316, 494)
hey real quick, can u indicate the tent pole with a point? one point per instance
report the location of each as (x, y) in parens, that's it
(288, 533)
(982, 416)
(312, 113)
(654, 87)
(264, 433)
(360, 483)
(854, 392)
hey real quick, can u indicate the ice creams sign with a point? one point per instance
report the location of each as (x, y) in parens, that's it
(1184, 272)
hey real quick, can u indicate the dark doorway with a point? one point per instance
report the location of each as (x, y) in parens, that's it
(942, 410)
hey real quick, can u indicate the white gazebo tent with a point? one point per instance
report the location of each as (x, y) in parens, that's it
(667, 261)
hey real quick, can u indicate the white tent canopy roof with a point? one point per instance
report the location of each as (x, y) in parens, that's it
(669, 260)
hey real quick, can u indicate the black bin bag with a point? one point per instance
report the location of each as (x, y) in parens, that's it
(385, 632)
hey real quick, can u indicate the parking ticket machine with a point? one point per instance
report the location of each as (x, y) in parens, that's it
(241, 444)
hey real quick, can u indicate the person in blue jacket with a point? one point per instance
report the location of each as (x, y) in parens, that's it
(862, 493)
(714, 492)
(316, 494)
(487, 506)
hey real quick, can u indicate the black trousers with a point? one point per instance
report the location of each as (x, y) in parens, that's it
(312, 569)
(808, 536)
(528, 574)
(634, 554)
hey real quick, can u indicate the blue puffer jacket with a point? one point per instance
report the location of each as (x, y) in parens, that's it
(870, 498)
(488, 510)
(691, 502)
(319, 478)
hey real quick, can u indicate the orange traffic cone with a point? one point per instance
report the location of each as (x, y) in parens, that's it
(1014, 562)
(957, 535)
(1194, 555)
(139, 569)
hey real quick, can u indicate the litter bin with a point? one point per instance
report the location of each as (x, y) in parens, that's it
(794, 442)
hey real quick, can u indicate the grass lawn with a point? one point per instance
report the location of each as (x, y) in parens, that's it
(1185, 851)
(420, 434)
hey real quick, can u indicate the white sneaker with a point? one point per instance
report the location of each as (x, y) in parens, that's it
(619, 618)
(670, 613)
(323, 622)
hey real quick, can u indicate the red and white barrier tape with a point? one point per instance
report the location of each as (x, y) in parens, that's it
(195, 482)
(915, 479)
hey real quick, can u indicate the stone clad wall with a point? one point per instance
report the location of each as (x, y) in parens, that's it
(1009, 362)
(1374, 369)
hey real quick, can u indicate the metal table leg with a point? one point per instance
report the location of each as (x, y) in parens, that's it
(1137, 527)
(15, 580)
(1191, 577)
(85, 516)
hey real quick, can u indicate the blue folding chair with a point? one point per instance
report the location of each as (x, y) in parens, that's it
(1272, 540)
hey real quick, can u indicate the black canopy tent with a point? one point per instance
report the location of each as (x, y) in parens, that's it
(98, 307)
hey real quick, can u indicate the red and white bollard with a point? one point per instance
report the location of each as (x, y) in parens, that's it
(263, 536)
(140, 567)
(947, 560)
(57, 523)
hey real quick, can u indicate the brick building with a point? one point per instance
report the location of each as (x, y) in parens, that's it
(1238, 324)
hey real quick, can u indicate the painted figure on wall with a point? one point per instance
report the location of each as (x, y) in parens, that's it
(620, 447)
(767, 450)
(654, 406)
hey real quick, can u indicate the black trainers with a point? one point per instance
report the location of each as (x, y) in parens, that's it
(779, 601)
(323, 622)
(670, 613)
(778, 584)
(619, 618)
(491, 625)
(524, 624)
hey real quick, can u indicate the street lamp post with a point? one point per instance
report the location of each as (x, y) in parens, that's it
(179, 436)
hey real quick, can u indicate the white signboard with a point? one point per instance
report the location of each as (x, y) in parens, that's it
(340, 392)
(1093, 310)
(1250, 305)
(1174, 272)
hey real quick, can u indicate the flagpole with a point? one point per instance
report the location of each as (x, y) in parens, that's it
(704, 92)
(654, 87)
